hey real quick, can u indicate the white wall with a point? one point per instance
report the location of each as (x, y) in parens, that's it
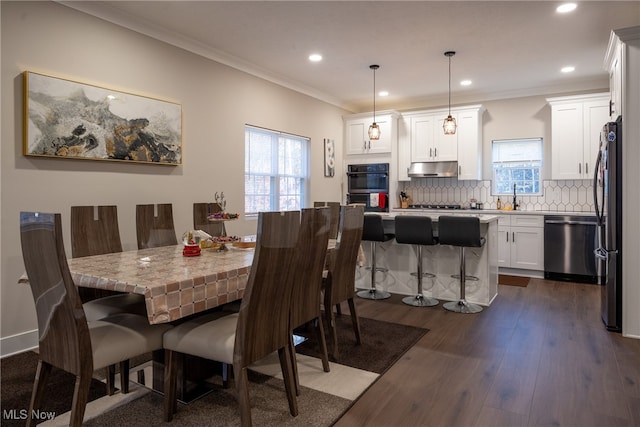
(216, 100)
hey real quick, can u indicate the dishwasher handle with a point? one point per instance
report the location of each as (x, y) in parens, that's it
(553, 221)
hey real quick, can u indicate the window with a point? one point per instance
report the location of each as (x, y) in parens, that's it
(276, 170)
(517, 162)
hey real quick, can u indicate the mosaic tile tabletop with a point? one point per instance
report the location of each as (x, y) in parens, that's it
(174, 286)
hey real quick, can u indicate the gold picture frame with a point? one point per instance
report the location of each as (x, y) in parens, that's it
(72, 120)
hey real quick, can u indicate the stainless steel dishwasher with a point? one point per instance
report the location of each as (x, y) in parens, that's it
(569, 242)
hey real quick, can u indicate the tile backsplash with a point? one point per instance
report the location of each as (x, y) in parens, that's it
(561, 196)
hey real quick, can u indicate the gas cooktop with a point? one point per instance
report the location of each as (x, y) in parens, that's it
(434, 206)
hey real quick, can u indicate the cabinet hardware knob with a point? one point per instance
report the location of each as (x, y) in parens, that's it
(586, 168)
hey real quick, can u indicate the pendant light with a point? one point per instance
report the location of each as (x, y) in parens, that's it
(449, 124)
(374, 129)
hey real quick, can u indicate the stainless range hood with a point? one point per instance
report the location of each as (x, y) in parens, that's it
(433, 169)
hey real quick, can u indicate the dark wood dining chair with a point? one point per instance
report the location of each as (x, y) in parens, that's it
(262, 325)
(65, 339)
(339, 285)
(154, 226)
(201, 212)
(307, 287)
(95, 231)
(334, 208)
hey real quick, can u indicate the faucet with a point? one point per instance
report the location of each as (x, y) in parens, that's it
(515, 202)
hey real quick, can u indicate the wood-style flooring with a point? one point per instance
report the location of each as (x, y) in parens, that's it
(538, 356)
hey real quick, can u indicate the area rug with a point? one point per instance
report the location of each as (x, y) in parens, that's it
(505, 279)
(17, 375)
(382, 343)
(269, 407)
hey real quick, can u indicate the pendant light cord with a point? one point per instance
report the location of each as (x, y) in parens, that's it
(449, 85)
(374, 94)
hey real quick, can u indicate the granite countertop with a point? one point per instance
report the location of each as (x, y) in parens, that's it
(435, 213)
(494, 212)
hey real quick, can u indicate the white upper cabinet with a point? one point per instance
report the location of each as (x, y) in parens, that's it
(422, 139)
(614, 57)
(357, 134)
(470, 143)
(576, 122)
(428, 141)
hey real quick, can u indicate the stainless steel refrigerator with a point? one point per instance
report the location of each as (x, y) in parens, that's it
(607, 193)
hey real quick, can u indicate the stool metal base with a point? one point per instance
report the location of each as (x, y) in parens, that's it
(374, 294)
(420, 301)
(462, 306)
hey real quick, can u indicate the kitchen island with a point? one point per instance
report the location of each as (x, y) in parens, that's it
(440, 260)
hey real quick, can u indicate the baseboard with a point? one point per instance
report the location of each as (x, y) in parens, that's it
(18, 343)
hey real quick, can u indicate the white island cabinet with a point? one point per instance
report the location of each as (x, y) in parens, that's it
(440, 260)
(521, 242)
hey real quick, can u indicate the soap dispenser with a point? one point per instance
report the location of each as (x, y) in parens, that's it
(499, 204)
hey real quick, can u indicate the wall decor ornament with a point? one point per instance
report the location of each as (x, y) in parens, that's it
(67, 119)
(329, 157)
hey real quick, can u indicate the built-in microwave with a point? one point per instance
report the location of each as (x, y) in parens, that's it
(368, 184)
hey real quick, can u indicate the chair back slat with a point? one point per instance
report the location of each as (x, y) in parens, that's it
(309, 264)
(201, 212)
(62, 327)
(343, 259)
(94, 236)
(263, 322)
(334, 208)
(153, 231)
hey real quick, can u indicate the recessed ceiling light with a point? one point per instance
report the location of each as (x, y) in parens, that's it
(383, 93)
(566, 7)
(315, 57)
(568, 69)
(465, 82)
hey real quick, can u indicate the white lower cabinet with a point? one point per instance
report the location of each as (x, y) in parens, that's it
(521, 241)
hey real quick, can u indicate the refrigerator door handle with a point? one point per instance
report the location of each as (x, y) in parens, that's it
(599, 215)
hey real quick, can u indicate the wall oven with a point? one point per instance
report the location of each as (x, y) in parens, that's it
(368, 184)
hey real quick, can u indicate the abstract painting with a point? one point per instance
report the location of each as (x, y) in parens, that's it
(67, 119)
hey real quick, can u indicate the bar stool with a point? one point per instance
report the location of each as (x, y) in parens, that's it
(418, 231)
(463, 232)
(373, 231)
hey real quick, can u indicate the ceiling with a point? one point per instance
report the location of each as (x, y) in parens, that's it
(507, 48)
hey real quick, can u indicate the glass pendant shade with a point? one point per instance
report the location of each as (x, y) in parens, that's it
(449, 125)
(374, 131)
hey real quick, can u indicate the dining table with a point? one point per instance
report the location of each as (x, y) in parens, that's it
(174, 285)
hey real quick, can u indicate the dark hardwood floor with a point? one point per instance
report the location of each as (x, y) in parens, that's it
(539, 356)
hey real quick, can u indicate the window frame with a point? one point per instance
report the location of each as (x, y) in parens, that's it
(537, 167)
(277, 139)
